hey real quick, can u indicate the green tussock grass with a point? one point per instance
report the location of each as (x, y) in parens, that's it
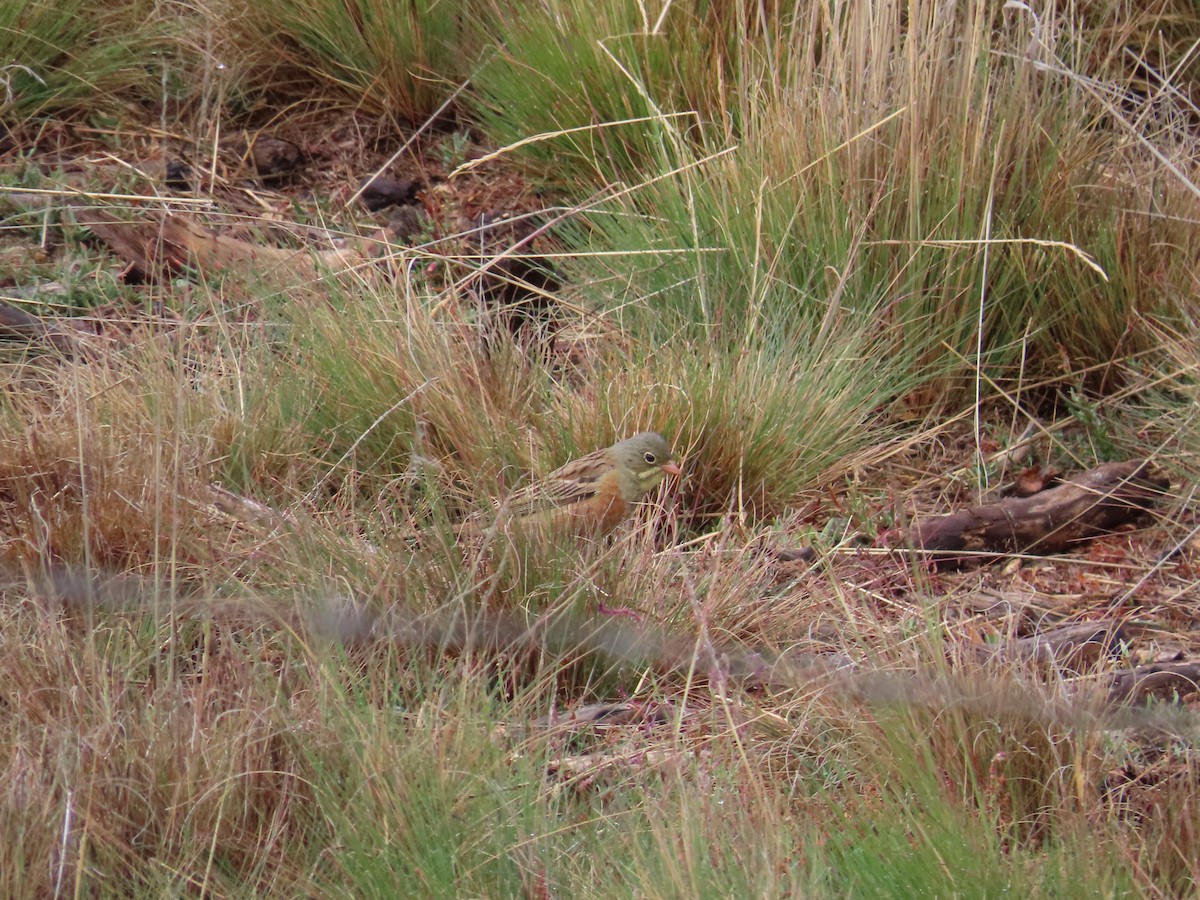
(605, 89)
(383, 383)
(399, 62)
(961, 188)
(62, 58)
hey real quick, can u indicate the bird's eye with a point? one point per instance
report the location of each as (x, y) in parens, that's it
(649, 457)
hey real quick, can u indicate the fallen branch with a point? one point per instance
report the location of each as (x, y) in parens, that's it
(1094, 503)
(17, 323)
(164, 245)
(1068, 648)
(1091, 504)
(1164, 681)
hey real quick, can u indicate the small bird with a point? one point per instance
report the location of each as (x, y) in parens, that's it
(594, 493)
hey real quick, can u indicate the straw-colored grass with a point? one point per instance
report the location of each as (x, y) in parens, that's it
(839, 254)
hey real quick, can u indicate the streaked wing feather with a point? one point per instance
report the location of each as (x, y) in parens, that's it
(569, 484)
(546, 495)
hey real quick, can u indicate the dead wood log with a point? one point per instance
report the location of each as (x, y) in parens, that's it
(163, 245)
(1093, 503)
(1070, 648)
(1165, 681)
(16, 323)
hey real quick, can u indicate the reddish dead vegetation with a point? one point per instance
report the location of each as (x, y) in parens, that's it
(62, 501)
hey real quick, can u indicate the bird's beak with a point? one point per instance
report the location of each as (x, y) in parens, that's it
(672, 469)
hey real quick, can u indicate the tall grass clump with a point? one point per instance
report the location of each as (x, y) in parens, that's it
(759, 428)
(100, 467)
(573, 72)
(110, 465)
(73, 60)
(398, 61)
(397, 391)
(948, 170)
(920, 841)
(126, 764)
(1160, 407)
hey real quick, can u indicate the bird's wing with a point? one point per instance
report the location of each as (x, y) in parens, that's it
(577, 480)
(547, 494)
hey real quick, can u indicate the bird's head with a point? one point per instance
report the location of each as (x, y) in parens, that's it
(644, 460)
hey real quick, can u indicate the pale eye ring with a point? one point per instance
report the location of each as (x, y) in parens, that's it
(649, 457)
